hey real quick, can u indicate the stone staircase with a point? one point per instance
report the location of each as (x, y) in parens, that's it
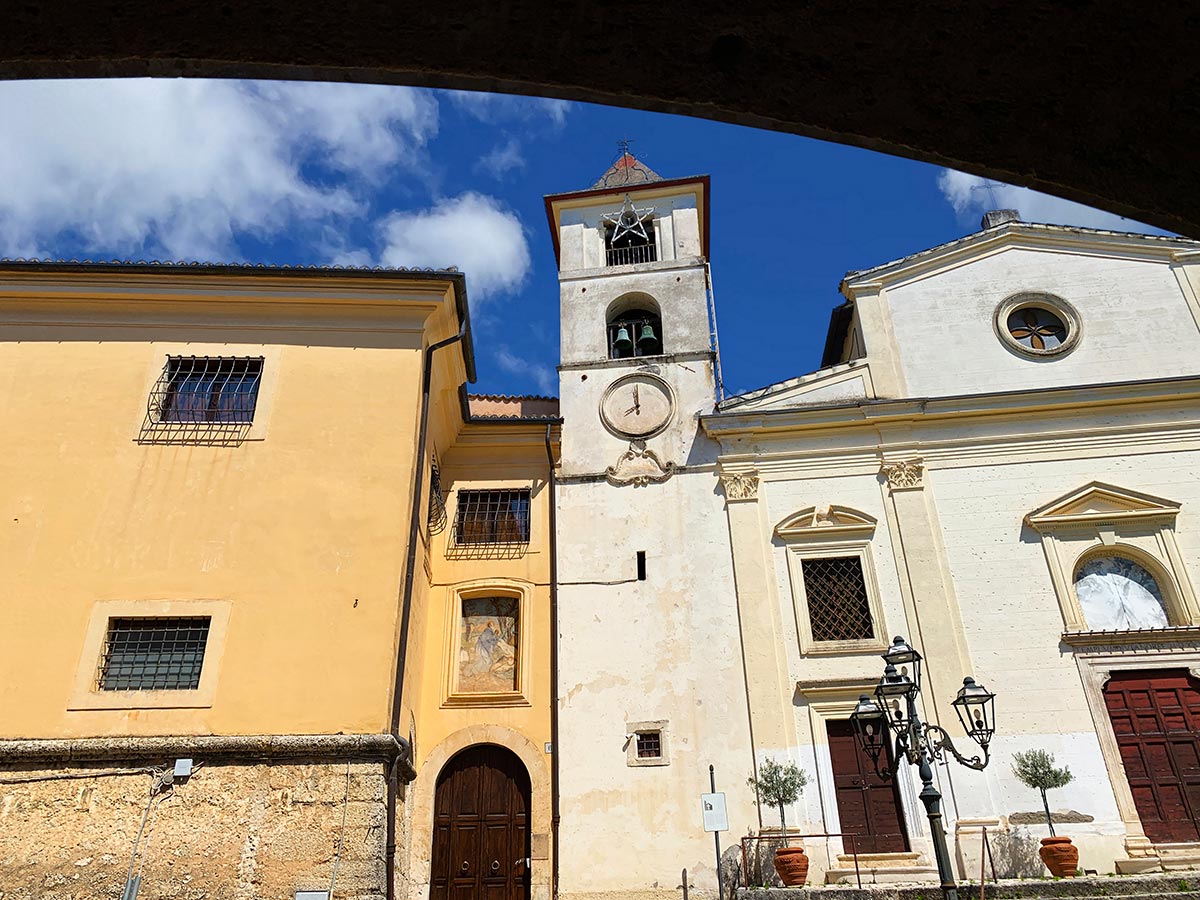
(1182, 886)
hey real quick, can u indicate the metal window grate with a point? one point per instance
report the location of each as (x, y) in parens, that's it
(437, 500)
(649, 744)
(153, 654)
(202, 389)
(491, 523)
(838, 609)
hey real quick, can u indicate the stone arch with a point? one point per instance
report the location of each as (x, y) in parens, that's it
(424, 786)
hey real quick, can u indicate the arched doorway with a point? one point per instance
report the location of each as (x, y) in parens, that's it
(481, 827)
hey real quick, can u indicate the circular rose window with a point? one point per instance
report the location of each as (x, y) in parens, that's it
(1037, 324)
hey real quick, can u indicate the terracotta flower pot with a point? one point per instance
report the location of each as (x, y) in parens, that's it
(792, 865)
(1060, 856)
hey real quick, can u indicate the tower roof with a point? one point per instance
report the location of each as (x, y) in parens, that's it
(627, 170)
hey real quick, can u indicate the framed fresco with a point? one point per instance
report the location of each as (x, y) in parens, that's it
(487, 642)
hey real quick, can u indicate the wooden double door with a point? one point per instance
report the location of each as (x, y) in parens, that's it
(868, 806)
(481, 827)
(1155, 715)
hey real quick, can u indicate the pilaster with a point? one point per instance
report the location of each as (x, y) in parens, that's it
(930, 603)
(768, 686)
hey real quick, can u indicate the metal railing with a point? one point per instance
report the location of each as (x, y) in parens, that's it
(631, 255)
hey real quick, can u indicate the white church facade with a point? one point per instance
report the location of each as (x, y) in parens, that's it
(996, 461)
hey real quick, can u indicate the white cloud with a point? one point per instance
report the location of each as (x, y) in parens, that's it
(471, 231)
(493, 108)
(970, 197)
(502, 159)
(178, 168)
(542, 375)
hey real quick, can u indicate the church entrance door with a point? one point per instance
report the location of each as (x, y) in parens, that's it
(481, 827)
(1156, 717)
(868, 806)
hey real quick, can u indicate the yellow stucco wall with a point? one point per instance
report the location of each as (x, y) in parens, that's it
(486, 456)
(301, 528)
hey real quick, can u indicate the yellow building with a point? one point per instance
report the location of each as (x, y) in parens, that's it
(221, 549)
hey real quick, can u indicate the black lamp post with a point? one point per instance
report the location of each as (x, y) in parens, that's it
(921, 744)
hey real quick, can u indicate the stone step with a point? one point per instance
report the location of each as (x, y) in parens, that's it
(1097, 887)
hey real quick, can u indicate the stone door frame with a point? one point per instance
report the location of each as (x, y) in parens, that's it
(1095, 668)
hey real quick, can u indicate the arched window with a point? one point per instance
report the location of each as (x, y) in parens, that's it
(634, 327)
(1117, 594)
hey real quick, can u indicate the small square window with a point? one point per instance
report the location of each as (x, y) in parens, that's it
(838, 606)
(207, 389)
(153, 654)
(649, 744)
(492, 522)
(646, 743)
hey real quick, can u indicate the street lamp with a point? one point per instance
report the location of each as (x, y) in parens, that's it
(894, 709)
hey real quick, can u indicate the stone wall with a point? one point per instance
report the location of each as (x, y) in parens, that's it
(233, 830)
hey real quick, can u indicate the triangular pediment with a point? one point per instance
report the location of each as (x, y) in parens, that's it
(1020, 235)
(1099, 501)
(818, 520)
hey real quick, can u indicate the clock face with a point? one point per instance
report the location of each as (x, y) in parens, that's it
(637, 405)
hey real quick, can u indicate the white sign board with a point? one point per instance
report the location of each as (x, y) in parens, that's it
(715, 816)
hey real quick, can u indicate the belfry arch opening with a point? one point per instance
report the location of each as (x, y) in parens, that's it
(634, 324)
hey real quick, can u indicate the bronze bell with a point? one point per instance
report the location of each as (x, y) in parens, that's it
(622, 343)
(647, 339)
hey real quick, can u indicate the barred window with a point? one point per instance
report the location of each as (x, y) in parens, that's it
(497, 517)
(153, 654)
(437, 500)
(207, 389)
(838, 607)
(649, 744)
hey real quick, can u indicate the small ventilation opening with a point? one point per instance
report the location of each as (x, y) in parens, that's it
(641, 565)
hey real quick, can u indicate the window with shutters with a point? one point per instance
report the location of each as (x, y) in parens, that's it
(834, 591)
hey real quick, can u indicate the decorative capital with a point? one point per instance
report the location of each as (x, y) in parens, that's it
(740, 485)
(639, 466)
(904, 474)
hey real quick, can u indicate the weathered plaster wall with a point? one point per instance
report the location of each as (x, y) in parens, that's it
(663, 649)
(231, 832)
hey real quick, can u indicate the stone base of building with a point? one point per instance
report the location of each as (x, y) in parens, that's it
(237, 828)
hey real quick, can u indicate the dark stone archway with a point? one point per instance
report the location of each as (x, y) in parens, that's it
(1095, 101)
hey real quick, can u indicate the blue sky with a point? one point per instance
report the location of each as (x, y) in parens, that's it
(280, 172)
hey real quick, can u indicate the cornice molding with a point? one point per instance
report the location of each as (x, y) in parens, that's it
(252, 747)
(874, 413)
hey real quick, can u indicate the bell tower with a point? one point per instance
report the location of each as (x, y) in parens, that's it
(651, 688)
(636, 360)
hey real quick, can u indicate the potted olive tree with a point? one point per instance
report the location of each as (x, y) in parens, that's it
(1035, 769)
(779, 784)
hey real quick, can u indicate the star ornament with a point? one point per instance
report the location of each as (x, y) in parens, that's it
(629, 220)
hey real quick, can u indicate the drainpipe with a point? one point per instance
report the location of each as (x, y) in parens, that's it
(414, 525)
(554, 805)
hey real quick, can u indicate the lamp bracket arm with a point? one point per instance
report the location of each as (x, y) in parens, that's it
(939, 742)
